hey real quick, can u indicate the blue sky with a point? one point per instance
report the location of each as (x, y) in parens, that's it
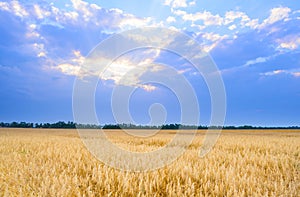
(255, 44)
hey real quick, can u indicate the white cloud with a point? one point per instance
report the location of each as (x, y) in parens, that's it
(250, 62)
(179, 12)
(168, 2)
(291, 42)
(80, 5)
(274, 72)
(37, 48)
(277, 14)
(213, 37)
(192, 3)
(207, 17)
(94, 6)
(245, 21)
(234, 19)
(126, 70)
(93, 16)
(31, 50)
(78, 58)
(256, 61)
(253, 24)
(116, 10)
(182, 71)
(83, 8)
(39, 12)
(130, 21)
(230, 16)
(54, 10)
(18, 9)
(148, 87)
(208, 47)
(68, 69)
(32, 32)
(72, 66)
(73, 16)
(213, 40)
(4, 6)
(179, 3)
(164, 39)
(42, 54)
(199, 27)
(292, 72)
(14, 7)
(232, 27)
(176, 3)
(32, 26)
(171, 19)
(290, 45)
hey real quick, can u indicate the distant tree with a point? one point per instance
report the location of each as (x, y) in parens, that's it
(71, 125)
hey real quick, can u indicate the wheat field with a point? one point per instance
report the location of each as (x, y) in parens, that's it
(49, 162)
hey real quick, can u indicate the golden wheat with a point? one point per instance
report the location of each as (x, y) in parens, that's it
(40, 162)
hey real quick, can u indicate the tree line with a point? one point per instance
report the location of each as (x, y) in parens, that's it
(72, 125)
(59, 124)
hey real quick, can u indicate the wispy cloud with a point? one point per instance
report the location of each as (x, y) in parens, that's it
(14, 7)
(206, 17)
(290, 42)
(176, 3)
(256, 61)
(292, 72)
